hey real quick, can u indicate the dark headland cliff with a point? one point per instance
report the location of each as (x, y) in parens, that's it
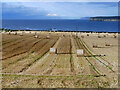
(105, 18)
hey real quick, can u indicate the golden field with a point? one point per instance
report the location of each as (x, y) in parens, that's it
(28, 63)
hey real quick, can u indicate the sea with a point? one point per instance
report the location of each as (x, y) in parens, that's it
(61, 25)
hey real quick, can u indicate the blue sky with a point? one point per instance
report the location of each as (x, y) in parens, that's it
(57, 10)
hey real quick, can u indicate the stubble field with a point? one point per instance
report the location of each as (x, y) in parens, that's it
(28, 63)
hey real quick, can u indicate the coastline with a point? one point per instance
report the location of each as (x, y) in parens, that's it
(10, 30)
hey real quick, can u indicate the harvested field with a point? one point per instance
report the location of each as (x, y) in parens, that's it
(27, 62)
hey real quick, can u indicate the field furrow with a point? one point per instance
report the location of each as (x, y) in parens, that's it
(62, 65)
(19, 49)
(5, 46)
(25, 55)
(29, 62)
(24, 64)
(45, 63)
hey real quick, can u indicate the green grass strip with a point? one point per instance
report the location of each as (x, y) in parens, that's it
(95, 57)
(45, 76)
(92, 65)
(88, 60)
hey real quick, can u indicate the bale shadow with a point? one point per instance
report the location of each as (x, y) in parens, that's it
(115, 45)
(95, 55)
(65, 53)
(103, 47)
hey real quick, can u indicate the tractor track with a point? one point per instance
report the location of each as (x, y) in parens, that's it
(86, 58)
(29, 52)
(71, 59)
(53, 63)
(6, 41)
(15, 43)
(21, 52)
(95, 56)
(32, 63)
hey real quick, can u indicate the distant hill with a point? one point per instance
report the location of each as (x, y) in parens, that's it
(105, 18)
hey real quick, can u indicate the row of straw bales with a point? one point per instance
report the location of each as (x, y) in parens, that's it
(99, 35)
(96, 45)
(23, 33)
(80, 52)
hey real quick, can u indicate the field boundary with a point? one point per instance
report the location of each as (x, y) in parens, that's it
(39, 75)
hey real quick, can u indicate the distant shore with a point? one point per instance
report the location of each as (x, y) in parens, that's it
(107, 18)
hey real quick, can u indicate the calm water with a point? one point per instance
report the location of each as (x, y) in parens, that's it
(65, 25)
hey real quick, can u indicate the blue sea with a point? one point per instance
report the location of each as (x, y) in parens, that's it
(61, 25)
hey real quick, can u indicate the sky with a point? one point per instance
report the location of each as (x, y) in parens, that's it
(29, 9)
(61, 0)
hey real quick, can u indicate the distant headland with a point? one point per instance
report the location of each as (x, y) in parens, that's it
(105, 18)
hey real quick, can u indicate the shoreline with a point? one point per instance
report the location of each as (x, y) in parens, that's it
(11, 30)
